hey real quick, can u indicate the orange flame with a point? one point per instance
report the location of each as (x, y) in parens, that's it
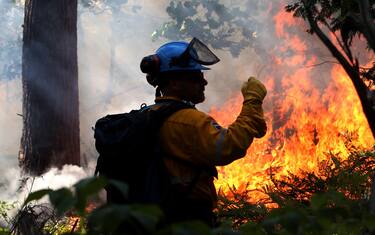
(308, 115)
(317, 124)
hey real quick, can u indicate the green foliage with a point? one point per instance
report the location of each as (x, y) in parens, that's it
(338, 15)
(64, 199)
(351, 177)
(187, 228)
(4, 231)
(334, 201)
(344, 19)
(135, 219)
(328, 213)
(5, 207)
(237, 210)
(231, 27)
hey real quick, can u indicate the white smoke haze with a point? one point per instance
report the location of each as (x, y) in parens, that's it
(14, 188)
(106, 40)
(10, 121)
(101, 94)
(114, 41)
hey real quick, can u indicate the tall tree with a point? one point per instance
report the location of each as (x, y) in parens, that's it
(345, 20)
(50, 86)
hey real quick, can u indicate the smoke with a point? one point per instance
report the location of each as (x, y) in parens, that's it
(113, 37)
(15, 188)
(10, 90)
(112, 44)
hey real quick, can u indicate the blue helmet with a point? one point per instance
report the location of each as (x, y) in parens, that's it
(179, 56)
(168, 54)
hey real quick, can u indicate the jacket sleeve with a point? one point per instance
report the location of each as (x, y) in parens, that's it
(197, 136)
(224, 145)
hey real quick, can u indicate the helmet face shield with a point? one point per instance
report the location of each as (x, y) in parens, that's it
(196, 51)
(199, 52)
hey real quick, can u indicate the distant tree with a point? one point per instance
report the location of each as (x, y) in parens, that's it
(345, 20)
(50, 134)
(229, 28)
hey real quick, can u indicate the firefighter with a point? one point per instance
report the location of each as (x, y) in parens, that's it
(193, 136)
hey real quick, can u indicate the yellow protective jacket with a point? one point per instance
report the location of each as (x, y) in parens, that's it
(195, 137)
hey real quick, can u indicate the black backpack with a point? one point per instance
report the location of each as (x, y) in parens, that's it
(129, 151)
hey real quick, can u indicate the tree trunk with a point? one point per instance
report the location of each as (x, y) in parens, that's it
(50, 86)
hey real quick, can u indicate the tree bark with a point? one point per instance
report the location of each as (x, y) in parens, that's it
(350, 69)
(50, 86)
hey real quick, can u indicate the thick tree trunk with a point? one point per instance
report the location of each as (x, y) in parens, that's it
(50, 86)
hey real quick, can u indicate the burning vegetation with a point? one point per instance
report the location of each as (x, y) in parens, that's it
(307, 127)
(313, 173)
(312, 110)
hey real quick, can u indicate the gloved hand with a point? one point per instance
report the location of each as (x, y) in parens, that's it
(253, 91)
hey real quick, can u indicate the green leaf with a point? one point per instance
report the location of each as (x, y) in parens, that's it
(147, 215)
(121, 186)
(318, 201)
(85, 188)
(89, 186)
(190, 228)
(36, 195)
(62, 199)
(137, 219)
(108, 218)
(369, 222)
(252, 228)
(292, 220)
(321, 200)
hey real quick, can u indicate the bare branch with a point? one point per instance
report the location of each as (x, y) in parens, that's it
(324, 62)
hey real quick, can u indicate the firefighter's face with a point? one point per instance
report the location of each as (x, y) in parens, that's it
(191, 86)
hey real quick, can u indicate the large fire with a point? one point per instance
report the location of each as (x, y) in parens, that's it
(317, 124)
(307, 116)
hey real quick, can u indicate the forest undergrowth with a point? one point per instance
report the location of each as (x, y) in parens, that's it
(338, 199)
